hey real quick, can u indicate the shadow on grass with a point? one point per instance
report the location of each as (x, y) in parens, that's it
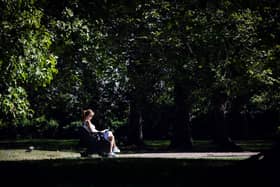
(42, 144)
(136, 172)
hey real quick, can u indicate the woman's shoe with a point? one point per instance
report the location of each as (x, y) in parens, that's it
(116, 150)
(84, 154)
(111, 155)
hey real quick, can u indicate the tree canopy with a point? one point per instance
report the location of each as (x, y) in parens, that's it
(121, 57)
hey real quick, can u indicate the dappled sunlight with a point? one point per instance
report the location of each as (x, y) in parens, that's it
(21, 154)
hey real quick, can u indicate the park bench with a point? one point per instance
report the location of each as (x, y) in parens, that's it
(92, 143)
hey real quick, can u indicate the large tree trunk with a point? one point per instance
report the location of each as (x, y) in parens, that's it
(220, 128)
(135, 125)
(181, 138)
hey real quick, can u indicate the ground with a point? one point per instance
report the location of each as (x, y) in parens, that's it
(68, 149)
(22, 154)
(58, 163)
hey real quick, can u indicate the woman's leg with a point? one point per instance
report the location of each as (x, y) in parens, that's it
(112, 139)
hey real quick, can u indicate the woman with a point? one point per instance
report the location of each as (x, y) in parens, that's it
(108, 135)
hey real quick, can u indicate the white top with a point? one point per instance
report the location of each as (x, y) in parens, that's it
(91, 126)
(105, 132)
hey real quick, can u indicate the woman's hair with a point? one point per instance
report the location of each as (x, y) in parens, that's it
(86, 113)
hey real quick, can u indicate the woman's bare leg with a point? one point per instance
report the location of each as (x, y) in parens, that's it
(111, 140)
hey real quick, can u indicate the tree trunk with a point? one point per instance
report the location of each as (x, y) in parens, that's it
(220, 127)
(181, 138)
(220, 130)
(135, 125)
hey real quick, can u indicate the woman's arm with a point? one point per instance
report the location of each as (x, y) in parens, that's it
(90, 127)
(104, 130)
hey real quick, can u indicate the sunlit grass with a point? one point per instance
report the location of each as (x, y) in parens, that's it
(21, 154)
(43, 144)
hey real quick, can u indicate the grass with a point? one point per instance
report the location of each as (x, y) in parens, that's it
(150, 145)
(207, 145)
(42, 144)
(21, 154)
(68, 149)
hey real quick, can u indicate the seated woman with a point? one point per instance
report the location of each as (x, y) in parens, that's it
(108, 135)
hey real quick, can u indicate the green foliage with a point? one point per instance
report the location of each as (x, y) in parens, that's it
(26, 61)
(71, 130)
(107, 56)
(14, 103)
(35, 128)
(115, 123)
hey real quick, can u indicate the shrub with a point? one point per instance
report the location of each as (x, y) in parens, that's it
(70, 130)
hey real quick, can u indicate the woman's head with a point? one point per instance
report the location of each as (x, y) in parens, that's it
(87, 114)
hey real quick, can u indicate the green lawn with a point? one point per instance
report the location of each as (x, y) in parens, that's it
(68, 149)
(206, 145)
(150, 145)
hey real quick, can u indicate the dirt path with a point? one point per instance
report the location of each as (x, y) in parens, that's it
(192, 155)
(20, 154)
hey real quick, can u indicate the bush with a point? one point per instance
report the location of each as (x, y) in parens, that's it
(70, 130)
(116, 124)
(40, 127)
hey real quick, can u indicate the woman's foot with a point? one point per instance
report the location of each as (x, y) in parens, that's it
(112, 154)
(116, 150)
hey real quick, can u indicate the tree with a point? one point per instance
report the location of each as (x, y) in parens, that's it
(238, 58)
(26, 61)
